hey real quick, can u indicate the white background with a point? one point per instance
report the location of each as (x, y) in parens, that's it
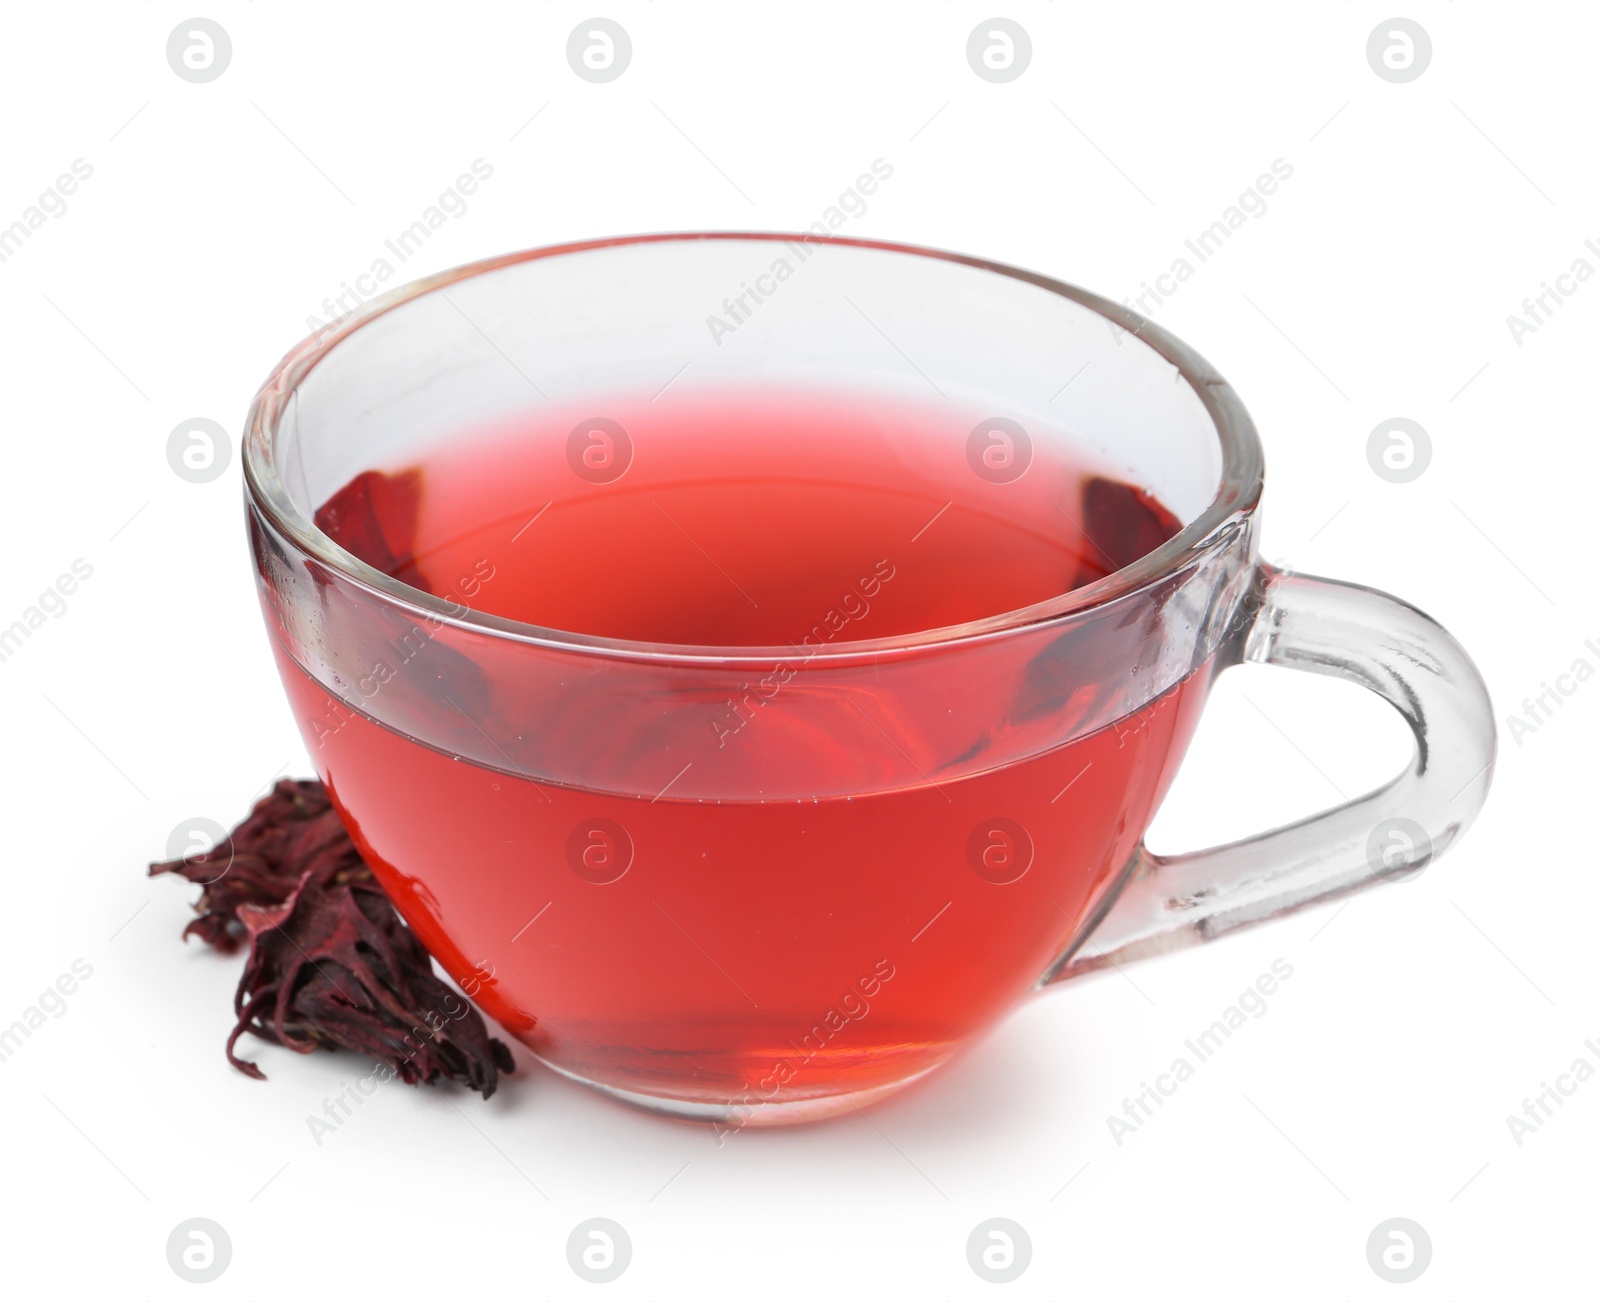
(1378, 1084)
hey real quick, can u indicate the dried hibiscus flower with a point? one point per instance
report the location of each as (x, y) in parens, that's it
(331, 963)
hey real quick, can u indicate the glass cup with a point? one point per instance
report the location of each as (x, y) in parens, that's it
(925, 828)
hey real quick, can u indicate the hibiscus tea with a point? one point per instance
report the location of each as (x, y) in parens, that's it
(782, 939)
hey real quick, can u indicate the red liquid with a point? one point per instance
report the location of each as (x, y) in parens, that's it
(747, 949)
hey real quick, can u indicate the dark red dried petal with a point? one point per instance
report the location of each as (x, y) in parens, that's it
(1123, 523)
(331, 964)
(374, 517)
(262, 860)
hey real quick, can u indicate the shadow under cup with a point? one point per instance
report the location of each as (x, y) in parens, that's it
(923, 828)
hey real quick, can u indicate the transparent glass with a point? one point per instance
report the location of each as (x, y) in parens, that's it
(933, 825)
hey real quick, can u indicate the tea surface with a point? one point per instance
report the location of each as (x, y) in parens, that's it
(743, 518)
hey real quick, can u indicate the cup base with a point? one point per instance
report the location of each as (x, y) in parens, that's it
(737, 1116)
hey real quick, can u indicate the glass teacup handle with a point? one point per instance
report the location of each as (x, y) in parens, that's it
(1170, 902)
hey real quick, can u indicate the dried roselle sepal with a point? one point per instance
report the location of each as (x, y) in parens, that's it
(334, 965)
(374, 518)
(1122, 522)
(331, 963)
(262, 860)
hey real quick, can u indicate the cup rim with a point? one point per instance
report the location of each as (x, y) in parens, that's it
(1238, 489)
